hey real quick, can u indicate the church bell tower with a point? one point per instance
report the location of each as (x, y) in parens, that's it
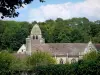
(36, 35)
(34, 38)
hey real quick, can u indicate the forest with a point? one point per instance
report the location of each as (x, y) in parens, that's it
(76, 30)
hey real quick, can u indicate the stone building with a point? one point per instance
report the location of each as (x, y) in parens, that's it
(62, 52)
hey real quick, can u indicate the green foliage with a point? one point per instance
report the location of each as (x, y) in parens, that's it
(88, 66)
(40, 58)
(18, 65)
(11, 65)
(13, 34)
(8, 7)
(75, 30)
(42, 63)
(93, 55)
(5, 61)
(60, 69)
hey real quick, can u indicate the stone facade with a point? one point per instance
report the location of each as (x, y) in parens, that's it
(62, 52)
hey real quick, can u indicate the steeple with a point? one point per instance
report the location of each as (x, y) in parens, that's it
(36, 35)
(34, 38)
(36, 30)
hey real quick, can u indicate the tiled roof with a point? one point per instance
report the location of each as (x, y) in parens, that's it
(20, 56)
(97, 46)
(61, 48)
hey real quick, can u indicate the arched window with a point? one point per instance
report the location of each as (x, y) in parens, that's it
(36, 37)
(61, 61)
(73, 60)
(33, 37)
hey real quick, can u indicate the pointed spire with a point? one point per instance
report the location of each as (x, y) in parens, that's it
(36, 30)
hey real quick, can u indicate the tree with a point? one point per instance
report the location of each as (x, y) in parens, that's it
(10, 30)
(90, 64)
(93, 55)
(2, 28)
(40, 58)
(8, 7)
(13, 34)
(76, 36)
(18, 66)
(5, 61)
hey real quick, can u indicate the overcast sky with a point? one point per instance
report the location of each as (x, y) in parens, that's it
(52, 9)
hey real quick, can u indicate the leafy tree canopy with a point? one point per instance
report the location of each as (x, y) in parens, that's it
(40, 58)
(8, 7)
(75, 30)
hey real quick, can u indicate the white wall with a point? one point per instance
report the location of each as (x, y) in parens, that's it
(66, 59)
(22, 50)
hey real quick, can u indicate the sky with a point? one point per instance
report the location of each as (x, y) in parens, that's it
(65, 9)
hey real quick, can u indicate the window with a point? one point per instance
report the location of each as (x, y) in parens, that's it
(33, 37)
(36, 37)
(61, 61)
(22, 50)
(73, 60)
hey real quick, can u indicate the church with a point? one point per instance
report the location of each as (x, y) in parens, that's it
(62, 52)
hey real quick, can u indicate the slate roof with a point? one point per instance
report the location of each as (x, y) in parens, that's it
(20, 56)
(97, 46)
(61, 48)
